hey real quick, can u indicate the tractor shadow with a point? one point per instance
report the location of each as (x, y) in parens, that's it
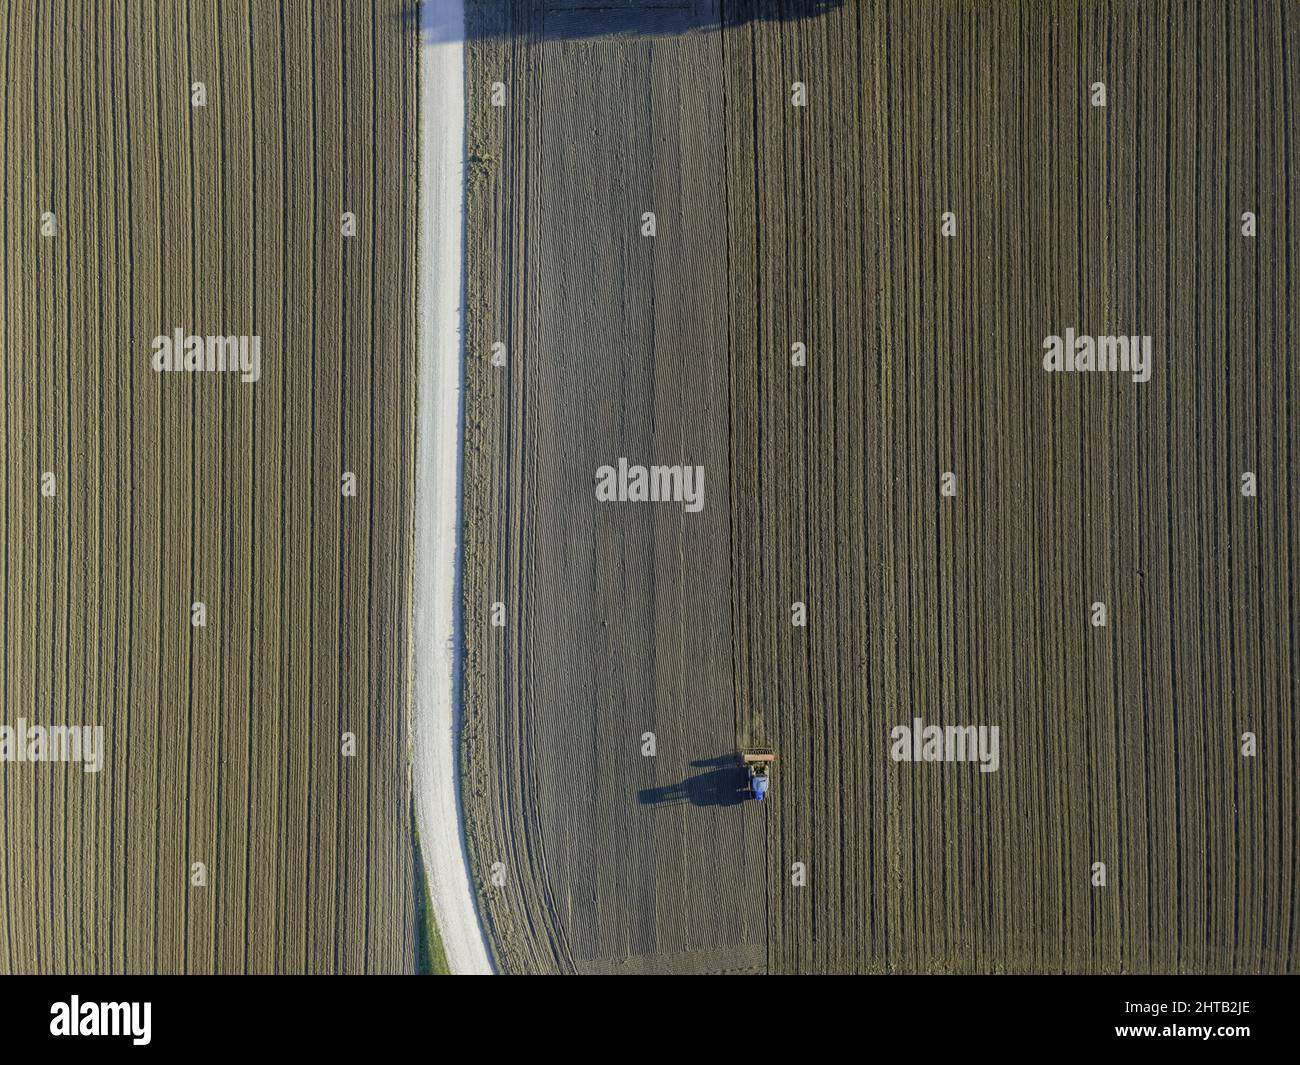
(724, 782)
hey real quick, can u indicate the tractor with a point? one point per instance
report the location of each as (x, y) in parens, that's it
(758, 763)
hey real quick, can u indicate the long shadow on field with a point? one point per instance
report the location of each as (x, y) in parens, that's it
(725, 783)
(438, 22)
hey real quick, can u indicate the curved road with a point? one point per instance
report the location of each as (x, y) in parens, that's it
(436, 586)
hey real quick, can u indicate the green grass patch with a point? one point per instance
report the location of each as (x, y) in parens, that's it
(430, 955)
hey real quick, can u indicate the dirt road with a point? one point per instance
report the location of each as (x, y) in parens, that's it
(435, 588)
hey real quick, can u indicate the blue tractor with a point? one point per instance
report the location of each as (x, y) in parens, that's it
(758, 761)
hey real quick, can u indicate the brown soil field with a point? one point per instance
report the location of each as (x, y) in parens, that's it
(618, 619)
(224, 743)
(776, 224)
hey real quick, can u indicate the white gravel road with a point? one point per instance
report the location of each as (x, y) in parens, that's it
(436, 646)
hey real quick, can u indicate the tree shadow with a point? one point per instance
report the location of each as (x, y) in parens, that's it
(725, 782)
(440, 21)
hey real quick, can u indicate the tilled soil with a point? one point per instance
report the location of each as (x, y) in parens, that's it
(1119, 743)
(617, 625)
(224, 742)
